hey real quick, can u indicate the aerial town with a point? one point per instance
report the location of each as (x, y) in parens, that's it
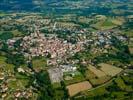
(39, 45)
(74, 54)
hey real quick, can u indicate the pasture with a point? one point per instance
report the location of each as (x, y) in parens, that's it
(96, 79)
(109, 69)
(39, 64)
(96, 71)
(104, 22)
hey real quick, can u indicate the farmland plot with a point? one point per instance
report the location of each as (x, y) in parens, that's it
(109, 69)
(96, 71)
(78, 87)
(94, 80)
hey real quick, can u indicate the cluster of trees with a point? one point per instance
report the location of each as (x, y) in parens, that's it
(44, 86)
(128, 25)
(123, 58)
(63, 87)
(122, 54)
(22, 28)
(4, 47)
(113, 87)
(129, 80)
(17, 43)
(6, 35)
(13, 57)
(82, 68)
(16, 59)
(41, 82)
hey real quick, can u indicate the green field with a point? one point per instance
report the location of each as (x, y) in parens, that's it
(39, 63)
(122, 85)
(101, 91)
(5, 66)
(78, 77)
(110, 69)
(104, 23)
(94, 79)
(97, 91)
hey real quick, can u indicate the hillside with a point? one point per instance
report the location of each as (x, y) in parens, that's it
(67, 6)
